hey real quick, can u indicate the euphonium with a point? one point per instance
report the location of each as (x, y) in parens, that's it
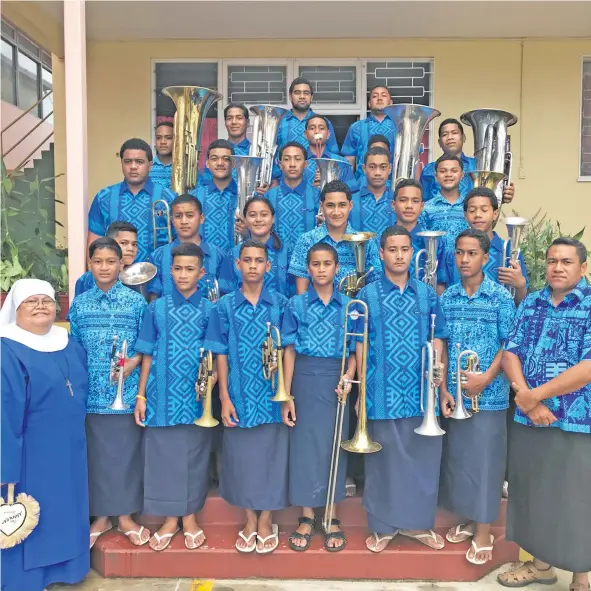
(410, 122)
(511, 250)
(158, 213)
(352, 283)
(472, 363)
(204, 387)
(273, 362)
(138, 274)
(248, 169)
(117, 366)
(431, 262)
(430, 372)
(192, 104)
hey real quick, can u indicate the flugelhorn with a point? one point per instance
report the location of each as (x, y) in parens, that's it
(117, 367)
(460, 411)
(352, 283)
(138, 275)
(430, 252)
(430, 373)
(272, 353)
(204, 388)
(158, 213)
(511, 246)
(248, 169)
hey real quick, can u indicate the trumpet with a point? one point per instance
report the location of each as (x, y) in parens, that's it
(472, 364)
(213, 290)
(204, 387)
(117, 367)
(352, 283)
(157, 213)
(511, 250)
(430, 372)
(431, 263)
(272, 355)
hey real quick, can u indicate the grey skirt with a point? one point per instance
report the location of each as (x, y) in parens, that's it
(402, 479)
(176, 473)
(549, 511)
(115, 465)
(473, 466)
(254, 467)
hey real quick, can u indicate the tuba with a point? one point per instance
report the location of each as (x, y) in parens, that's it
(248, 169)
(352, 283)
(272, 353)
(138, 274)
(431, 262)
(117, 365)
(472, 364)
(511, 250)
(429, 372)
(410, 122)
(487, 178)
(192, 104)
(204, 387)
(264, 138)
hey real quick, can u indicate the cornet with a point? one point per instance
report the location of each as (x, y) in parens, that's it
(204, 387)
(511, 250)
(117, 367)
(157, 213)
(431, 263)
(272, 354)
(472, 364)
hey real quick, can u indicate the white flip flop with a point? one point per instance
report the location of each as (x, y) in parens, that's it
(165, 537)
(248, 548)
(422, 537)
(138, 533)
(476, 549)
(459, 531)
(274, 535)
(96, 535)
(193, 536)
(379, 540)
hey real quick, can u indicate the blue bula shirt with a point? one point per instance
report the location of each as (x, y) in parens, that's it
(291, 129)
(86, 281)
(240, 149)
(161, 174)
(548, 340)
(431, 187)
(399, 326)
(117, 203)
(481, 322)
(298, 265)
(219, 209)
(95, 318)
(442, 216)
(238, 329)
(315, 328)
(163, 284)
(370, 215)
(172, 332)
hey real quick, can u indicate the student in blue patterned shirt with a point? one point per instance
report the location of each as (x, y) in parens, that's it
(548, 361)
(161, 172)
(219, 197)
(336, 204)
(254, 472)
(312, 337)
(131, 200)
(402, 479)
(176, 450)
(479, 315)
(186, 219)
(259, 216)
(114, 441)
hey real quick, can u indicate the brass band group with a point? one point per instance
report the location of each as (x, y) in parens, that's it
(290, 308)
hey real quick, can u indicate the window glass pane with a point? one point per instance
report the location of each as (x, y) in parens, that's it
(257, 84)
(332, 84)
(46, 59)
(586, 121)
(8, 74)
(28, 81)
(7, 30)
(341, 124)
(28, 46)
(46, 86)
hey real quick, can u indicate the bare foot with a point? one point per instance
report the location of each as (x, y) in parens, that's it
(480, 550)
(249, 532)
(161, 539)
(461, 533)
(304, 529)
(265, 529)
(428, 537)
(334, 542)
(194, 536)
(377, 542)
(137, 534)
(99, 526)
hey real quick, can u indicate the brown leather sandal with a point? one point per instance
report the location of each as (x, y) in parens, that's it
(526, 574)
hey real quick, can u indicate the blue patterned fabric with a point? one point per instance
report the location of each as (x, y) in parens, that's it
(161, 174)
(431, 187)
(481, 322)
(295, 210)
(277, 279)
(399, 326)
(219, 209)
(240, 149)
(355, 143)
(299, 267)
(291, 129)
(95, 318)
(238, 329)
(550, 339)
(370, 215)
(314, 328)
(442, 216)
(310, 171)
(172, 332)
(86, 281)
(163, 284)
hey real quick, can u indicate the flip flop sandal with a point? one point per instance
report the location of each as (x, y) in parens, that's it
(378, 540)
(476, 549)
(298, 536)
(337, 535)
(249, 548)
(263, 541)
(527, 574)
(96, 535)
(138, 533)
(193, 536)
(423, 537)
(459, 531)
(166, 537)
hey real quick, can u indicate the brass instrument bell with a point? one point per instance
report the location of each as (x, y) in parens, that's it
(272, 355)
(352, 283)
(204, 388)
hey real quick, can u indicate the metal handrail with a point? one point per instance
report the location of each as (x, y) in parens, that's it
(18, 166)
(27, 111)
(27, 135)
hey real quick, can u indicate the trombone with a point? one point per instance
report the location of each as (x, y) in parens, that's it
(472, 365)
(361, 443)
(117, 366)
(272, 354)
(204, 387)
(158, 213)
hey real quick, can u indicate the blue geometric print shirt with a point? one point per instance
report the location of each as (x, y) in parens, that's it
(163, 284)
(399, 326)
(370, 215)
(237, 329)
(117, 203)
(160, 173)
(442, 216)
(295, 210)
(172, 332)
(291, 129)
(95, 318)
(241, 149)
(548, 340)
(316, 329)
(86, 281)
(219, 209)
(481, 322)
(431, 187)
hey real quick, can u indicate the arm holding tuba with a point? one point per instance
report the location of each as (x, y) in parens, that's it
(272, 354)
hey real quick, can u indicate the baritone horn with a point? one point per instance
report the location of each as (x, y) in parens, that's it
(159, 213)
(460, 411)
(117, 367)
(272, 353)
(204, 388)
(192, 104)
(515, 227)
(352, 283)
(431, 262)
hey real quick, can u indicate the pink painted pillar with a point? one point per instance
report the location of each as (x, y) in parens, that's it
(76, 136)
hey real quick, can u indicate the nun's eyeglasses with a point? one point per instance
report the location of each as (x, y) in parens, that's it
(46, 303)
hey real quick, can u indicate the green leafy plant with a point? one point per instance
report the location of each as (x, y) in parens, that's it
(12, 270)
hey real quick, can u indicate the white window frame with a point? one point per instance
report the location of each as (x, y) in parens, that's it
(581, 177)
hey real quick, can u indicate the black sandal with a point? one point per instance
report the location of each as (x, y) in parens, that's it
(298, 536)
(335, 535)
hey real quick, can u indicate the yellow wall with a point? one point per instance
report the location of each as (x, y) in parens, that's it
(468, 75)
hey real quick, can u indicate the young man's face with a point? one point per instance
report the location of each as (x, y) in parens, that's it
(397, 254)
(480, 214)
(317, 131)
(451, 139)
(186, 220)
(253, 264)
(336, 208)
(408, 204)
(128, 243)
(186, 272)
(259, 219)
(236, 123)
(449, 174)
(470, 258)
(301, 97)
(322, 268)
(105, 266)
(379, 98)
(135, 167)
(563, 267)
(164, 140)
(377, 169)
(219, 163)
(292, 163)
